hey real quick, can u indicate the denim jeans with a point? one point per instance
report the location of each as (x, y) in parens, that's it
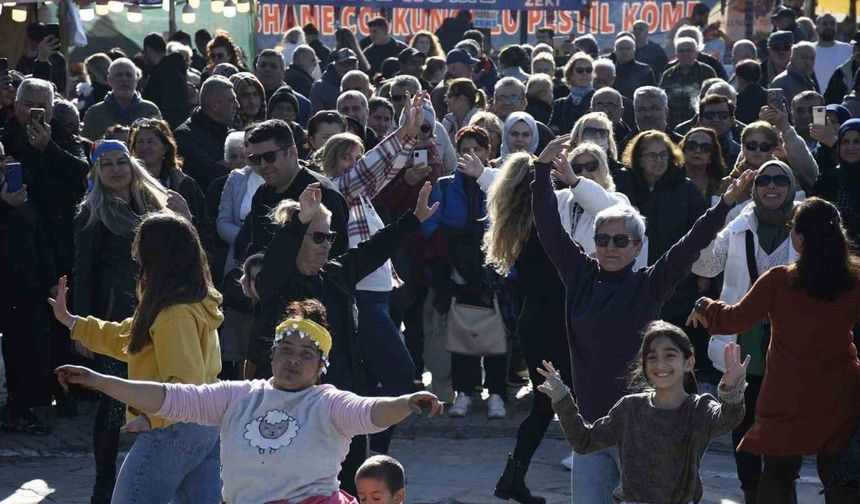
(386, 359)
(593, 477)
(179, 464)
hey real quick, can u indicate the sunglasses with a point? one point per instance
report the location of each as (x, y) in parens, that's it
(620, 240)
(583, 70)
(319, 237)
(692, 145)
(590, 131)
(780, 48)
(398, 98)
(269, 157)
(777, 180)
(589, 167)
(754, 146)
(715, 116)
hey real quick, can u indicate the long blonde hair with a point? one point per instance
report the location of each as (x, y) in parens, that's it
(509, 211)
(604, 178)
(335, 148)
(146, 192)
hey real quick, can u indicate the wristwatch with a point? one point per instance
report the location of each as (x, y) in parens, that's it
(700, 304)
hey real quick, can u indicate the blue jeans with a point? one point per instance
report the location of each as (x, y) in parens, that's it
(386, 359)
(593, 477)
(179, 464)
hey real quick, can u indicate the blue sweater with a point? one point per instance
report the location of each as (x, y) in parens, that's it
(606, 311)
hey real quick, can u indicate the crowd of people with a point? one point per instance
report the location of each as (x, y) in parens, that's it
(254, 257)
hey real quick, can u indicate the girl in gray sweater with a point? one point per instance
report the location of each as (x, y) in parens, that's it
(663, 432)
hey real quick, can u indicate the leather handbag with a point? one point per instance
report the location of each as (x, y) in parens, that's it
(475, 330)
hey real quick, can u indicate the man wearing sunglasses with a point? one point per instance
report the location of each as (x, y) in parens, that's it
(718, 113)
(272, 155)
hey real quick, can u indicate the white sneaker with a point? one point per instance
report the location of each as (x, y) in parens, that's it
(495, 407)
(568, 462)
(461, 406)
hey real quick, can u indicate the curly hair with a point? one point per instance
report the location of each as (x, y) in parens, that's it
(716, 168)
(634, 150)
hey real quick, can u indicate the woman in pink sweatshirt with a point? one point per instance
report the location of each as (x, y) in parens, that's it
(282, 439)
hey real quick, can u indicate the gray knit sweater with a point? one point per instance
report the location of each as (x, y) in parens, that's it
(660, 450)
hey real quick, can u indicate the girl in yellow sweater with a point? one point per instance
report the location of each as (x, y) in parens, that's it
(172, 338)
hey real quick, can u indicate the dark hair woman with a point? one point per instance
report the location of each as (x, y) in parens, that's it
(152, 142)
(345, 38)
(812, 305)
(251, 97)
(463, 100)
(703, 160)
(171, 338)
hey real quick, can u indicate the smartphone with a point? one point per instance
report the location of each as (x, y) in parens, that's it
(37, 115)
(51, 29)
(419, 157)
(776, 98)
(819, 116)
(4, 65)
(14, 178)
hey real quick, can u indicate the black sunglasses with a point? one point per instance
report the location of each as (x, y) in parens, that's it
(620, 240)
(692, 145)
(777, 180)
(763, 146)
(319, 237)
(269, 157)
(589, 167)
(582, 70)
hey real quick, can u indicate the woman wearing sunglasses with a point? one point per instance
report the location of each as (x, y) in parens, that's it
(579, 76)
(773, 137)
(599, 290)
(596, 127)
(751, 244)
(703, 161)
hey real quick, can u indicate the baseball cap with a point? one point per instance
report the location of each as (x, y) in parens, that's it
(344, 54)
(409, 52)
(781, 37)
(460, 56)
(784, 12)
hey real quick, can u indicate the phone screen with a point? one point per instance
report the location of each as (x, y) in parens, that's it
(37, 115)
(14, 178)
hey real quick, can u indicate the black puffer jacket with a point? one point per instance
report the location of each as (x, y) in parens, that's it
(56, 182)
(201, 144)
(632, 75)
(166, 87)
(280, 283)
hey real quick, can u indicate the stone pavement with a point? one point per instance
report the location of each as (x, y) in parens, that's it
(447, 460)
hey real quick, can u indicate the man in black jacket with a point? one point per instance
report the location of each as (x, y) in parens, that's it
(166, 85)
(299, 74)
(312, 36)
(648, 51)
(629, 73)
(751, 95)
(54, 170)
(383, 44)
(201, 137)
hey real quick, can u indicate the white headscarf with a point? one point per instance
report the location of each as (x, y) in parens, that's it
(513, 118)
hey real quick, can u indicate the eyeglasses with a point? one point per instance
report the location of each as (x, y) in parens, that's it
(426, 129)
(604, 105)
(583, 70)
(656, 156)
(590, 131)
(780, 48)
(754, 146)
(398, 98)
(269, 157)
(620, 240)
(692, 145)
(319, 237)
(777, 180)
(589, 167)
(715, 116)
(509, 98)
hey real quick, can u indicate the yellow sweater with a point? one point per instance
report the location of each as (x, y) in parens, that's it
(184, 347)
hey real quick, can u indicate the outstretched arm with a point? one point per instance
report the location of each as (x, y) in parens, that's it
(140, 395)
(720, 318)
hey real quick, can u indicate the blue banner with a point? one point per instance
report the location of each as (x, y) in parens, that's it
(515, 5)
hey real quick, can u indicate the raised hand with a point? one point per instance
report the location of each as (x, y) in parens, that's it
(552, 386)
(422, 211)
(310, 201)
(554, 148)
(58, 303)
(414, 115)
(775, 116)
(13, 199)
(425, 400)
(736, 370)
(470, 165)
(739, 189)
(563, 171)
(415, 174)
(77, 375)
